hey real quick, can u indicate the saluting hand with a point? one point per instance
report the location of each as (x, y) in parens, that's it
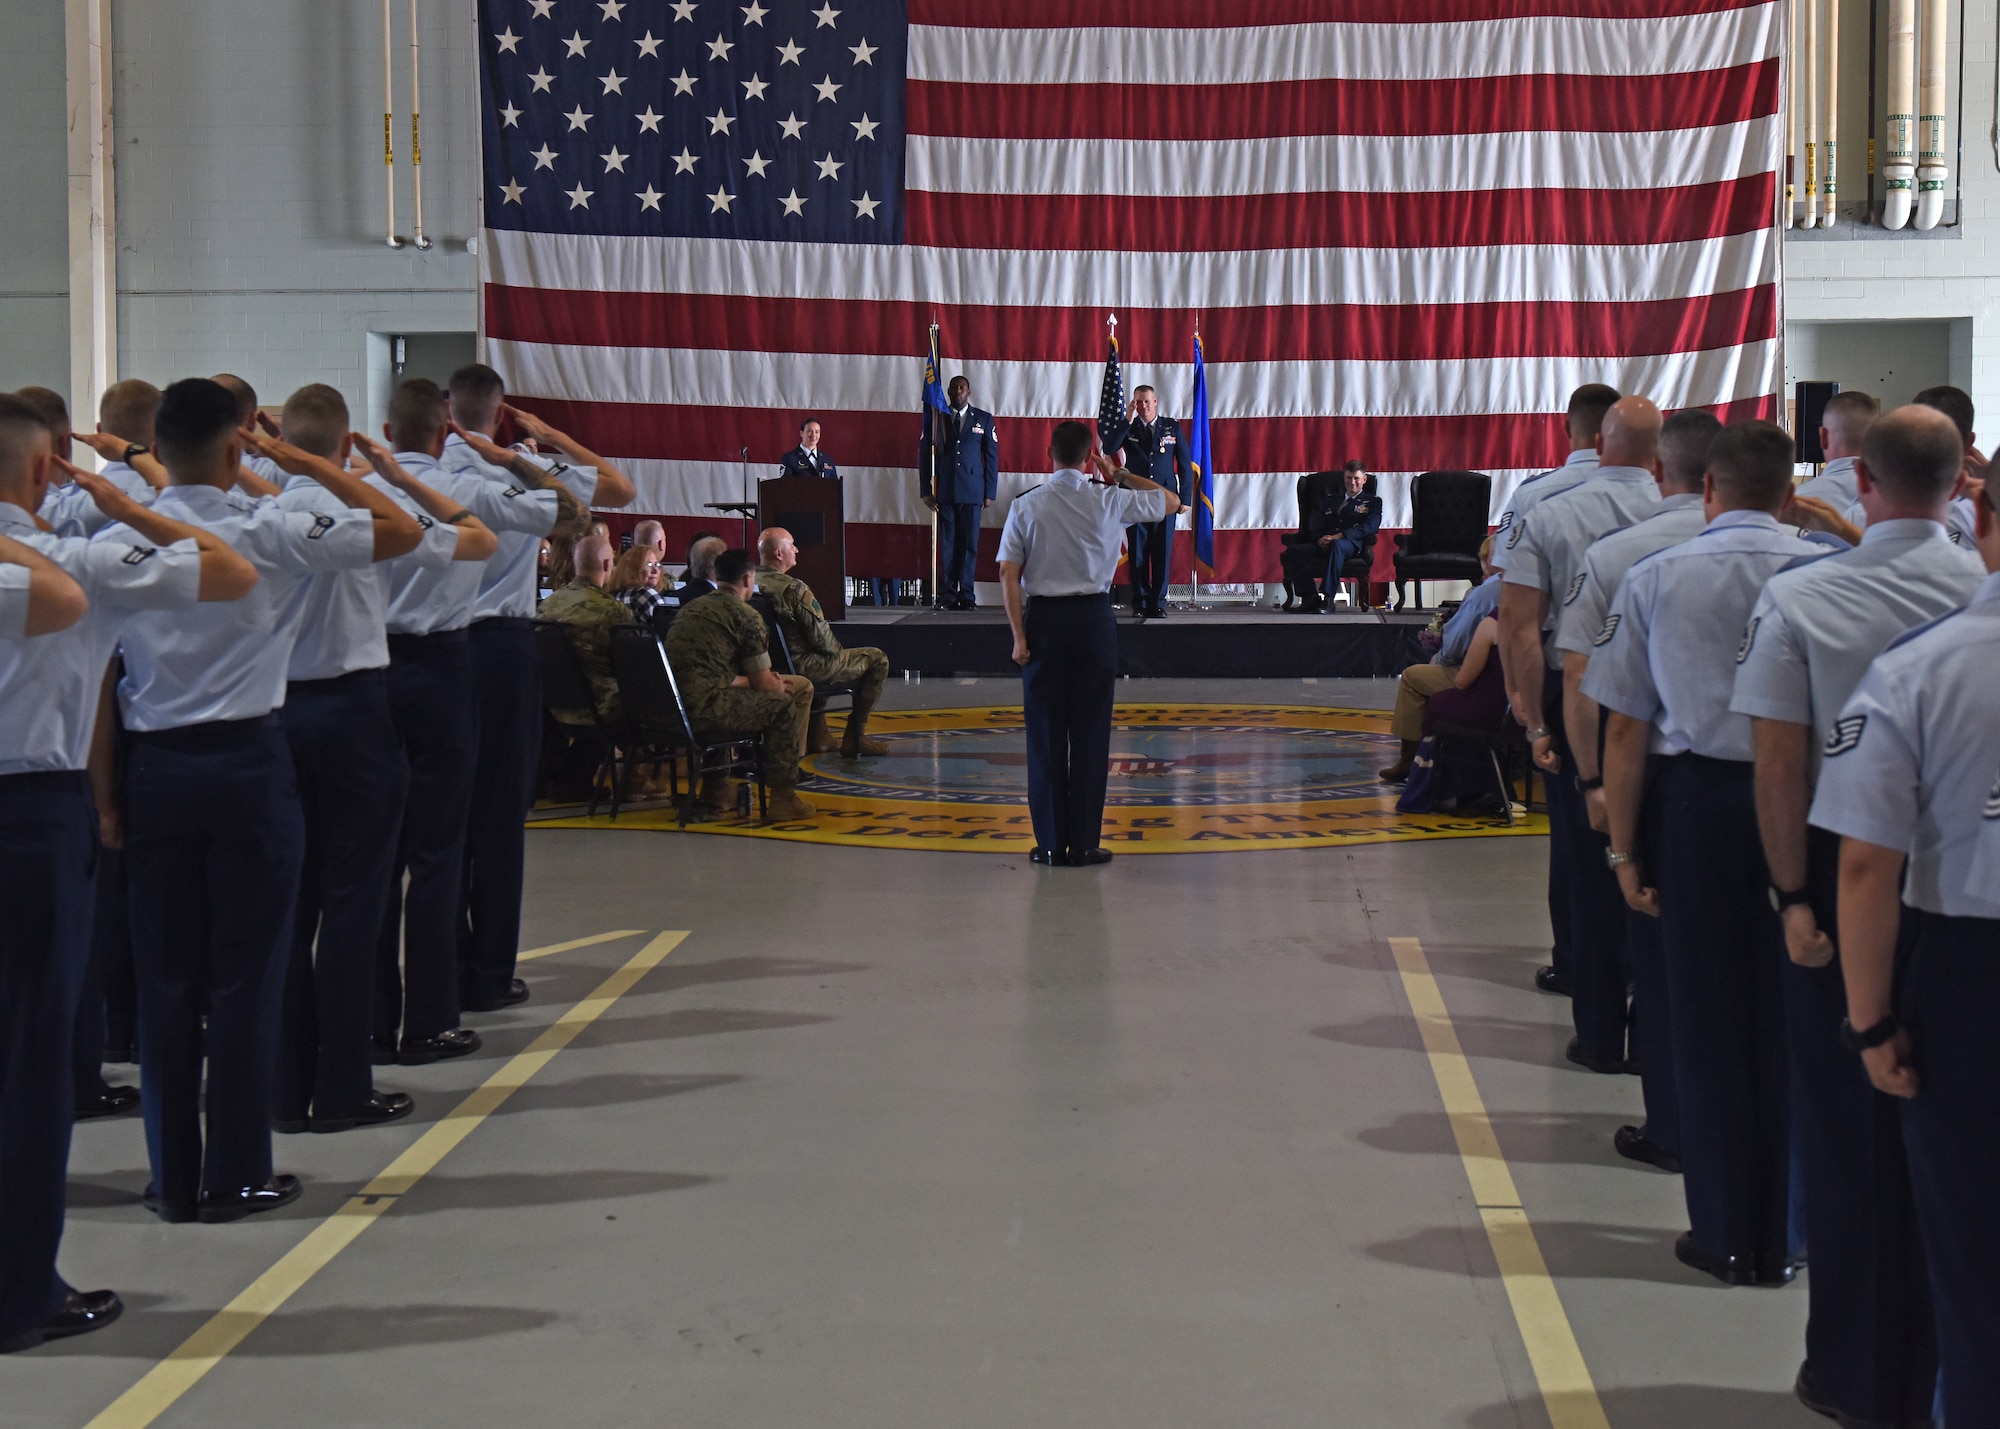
(485, 448)
(381, 459)
(104, 444)
(288, 457)
(265, 425)
(1809, 513)
(110, 500)
(531, 426)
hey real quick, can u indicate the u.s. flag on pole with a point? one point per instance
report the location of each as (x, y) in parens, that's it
(1411, 227)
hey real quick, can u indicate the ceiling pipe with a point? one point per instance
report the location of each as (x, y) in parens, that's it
(1899, 166)
(1829, 185)
(1810, 96)
(416, 135)
(1932, 103)
(389, 121)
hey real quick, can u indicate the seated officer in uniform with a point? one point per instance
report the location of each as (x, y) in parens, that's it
(1904, 781)
(1664, 671)
(587, 613)
(1153, 449)
(806, 457)
(1343, 527)
(722, 659)
(816, 652)
(1870, 1345)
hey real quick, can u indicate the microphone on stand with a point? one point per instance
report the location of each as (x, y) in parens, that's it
(745, 453)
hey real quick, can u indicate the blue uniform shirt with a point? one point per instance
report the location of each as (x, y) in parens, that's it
(1668, 650)
(1065, 534)
(1910, 763)
(1585, 606)
(507, 580)
(1836, 484)
(1985, 877)
(342, 616)
(1550, 543)
(228, 660)
(1575, 470)
(1481, 601)
(14, 584)
(69, 509)
(1815, 630)
(424, 600)
(49, 685)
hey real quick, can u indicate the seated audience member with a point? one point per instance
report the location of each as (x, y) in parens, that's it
(1478, 694)
(653, 536)
(589, 613)
(816, 652)
(635, 582)
(1420, 682)
(700, 577)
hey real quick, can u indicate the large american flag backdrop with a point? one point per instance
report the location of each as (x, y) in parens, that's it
(1405, 230)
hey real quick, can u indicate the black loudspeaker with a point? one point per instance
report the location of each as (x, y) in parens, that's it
(1809, 401)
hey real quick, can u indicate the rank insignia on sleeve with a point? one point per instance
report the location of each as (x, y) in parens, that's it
(1610, 629)
(1993, 801)
(1576, 587)
(139, 555)
(1749, 639)
(322, 523)
(1846, 733)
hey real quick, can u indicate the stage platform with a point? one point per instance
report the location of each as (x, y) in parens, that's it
(1228, 642)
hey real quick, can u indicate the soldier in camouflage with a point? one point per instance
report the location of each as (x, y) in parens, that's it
(588, 613)
(816, 652)
(723, 662)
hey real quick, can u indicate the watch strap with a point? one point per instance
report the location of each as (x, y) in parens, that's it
(1865, 1038)
(1586, 785)
(1781, 900)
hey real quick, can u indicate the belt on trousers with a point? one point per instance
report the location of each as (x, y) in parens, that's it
(417, 644)
(45, 781)
(504, 622)
(1096, 597)
(331, 682)
(1741, 768)
(200, 738)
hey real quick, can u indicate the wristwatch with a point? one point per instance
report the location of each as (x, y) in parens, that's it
(1615, 860)
(134, 450)
(1781, 900)
(1539, 732)
(1862, 1040)
(1586, 785)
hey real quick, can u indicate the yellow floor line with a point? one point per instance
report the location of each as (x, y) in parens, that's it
(174, 1376)
(1564, 1379)
(574, 943)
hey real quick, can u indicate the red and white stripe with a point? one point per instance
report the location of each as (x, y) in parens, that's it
(1405, 228)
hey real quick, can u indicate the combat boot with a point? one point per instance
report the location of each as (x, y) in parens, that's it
(715, 795)
(819, 739)
(786, 806)
(855, 741)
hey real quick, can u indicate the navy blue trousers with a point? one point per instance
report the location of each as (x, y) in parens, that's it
(1562, 951)
(1652, 1009)
(107, 1010)
(1066, 699)
(1726, 986)
(1149, 549)
(1596, 907)
(507, 686)
(352, 779)
(1871, 1338)
(958, 548)
(48, 846)
(214, 841)
(1950, 988)
(1343, 550)
(431, 687)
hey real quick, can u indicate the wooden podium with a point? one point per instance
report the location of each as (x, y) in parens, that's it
(811, 508)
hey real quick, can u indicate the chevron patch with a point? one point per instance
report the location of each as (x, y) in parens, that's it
(1846, 733)
(1576, 587)
(1610, 629)
(1749, 639)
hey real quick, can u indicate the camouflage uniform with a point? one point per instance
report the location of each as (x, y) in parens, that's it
(816, 652)
(716, 638)
(589, 613)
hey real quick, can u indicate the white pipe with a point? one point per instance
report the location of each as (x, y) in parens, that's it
(389, 121)
(1899, 167)
(1811, 97)
(1829, 187)
(1791, 113)
(1932, 99)
(416, 136)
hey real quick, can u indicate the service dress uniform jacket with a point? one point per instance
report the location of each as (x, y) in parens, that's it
(1908, 767)
(1158, 453)
(964, 446)
(800, 462)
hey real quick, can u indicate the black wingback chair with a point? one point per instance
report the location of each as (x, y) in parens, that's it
(1448, 522)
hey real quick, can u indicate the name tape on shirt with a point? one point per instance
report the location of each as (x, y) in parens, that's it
(1845, 734)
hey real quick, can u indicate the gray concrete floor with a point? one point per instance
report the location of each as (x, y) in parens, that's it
(909, 1140)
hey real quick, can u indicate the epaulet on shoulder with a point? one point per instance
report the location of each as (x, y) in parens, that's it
(1926, 628)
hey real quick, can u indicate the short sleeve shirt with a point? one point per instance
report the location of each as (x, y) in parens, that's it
(713, 640)
(14, 585)
(1669, 647)
(1065, 534)
(1815, 630)
(507, 580)
(71, 511)
(1531, 493)
(1586, 604)
(1836, 484)
(1985, 879)
(1910, 763)
(1550, 543)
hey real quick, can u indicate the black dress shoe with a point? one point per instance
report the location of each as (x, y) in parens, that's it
(1610, 1069)
(112, 1101)
(291, 1125)
(173, 1215)
(1783, 1273)
(421, 1051)
(1634, 1145)
(514, 996)
(1550, 981)
(82, 1312)
(380, 1107)
(1729, 1269)
(1158, 612)
(1807, 1389)
(235, 1205)
(1049, 858)
(1089, 858)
